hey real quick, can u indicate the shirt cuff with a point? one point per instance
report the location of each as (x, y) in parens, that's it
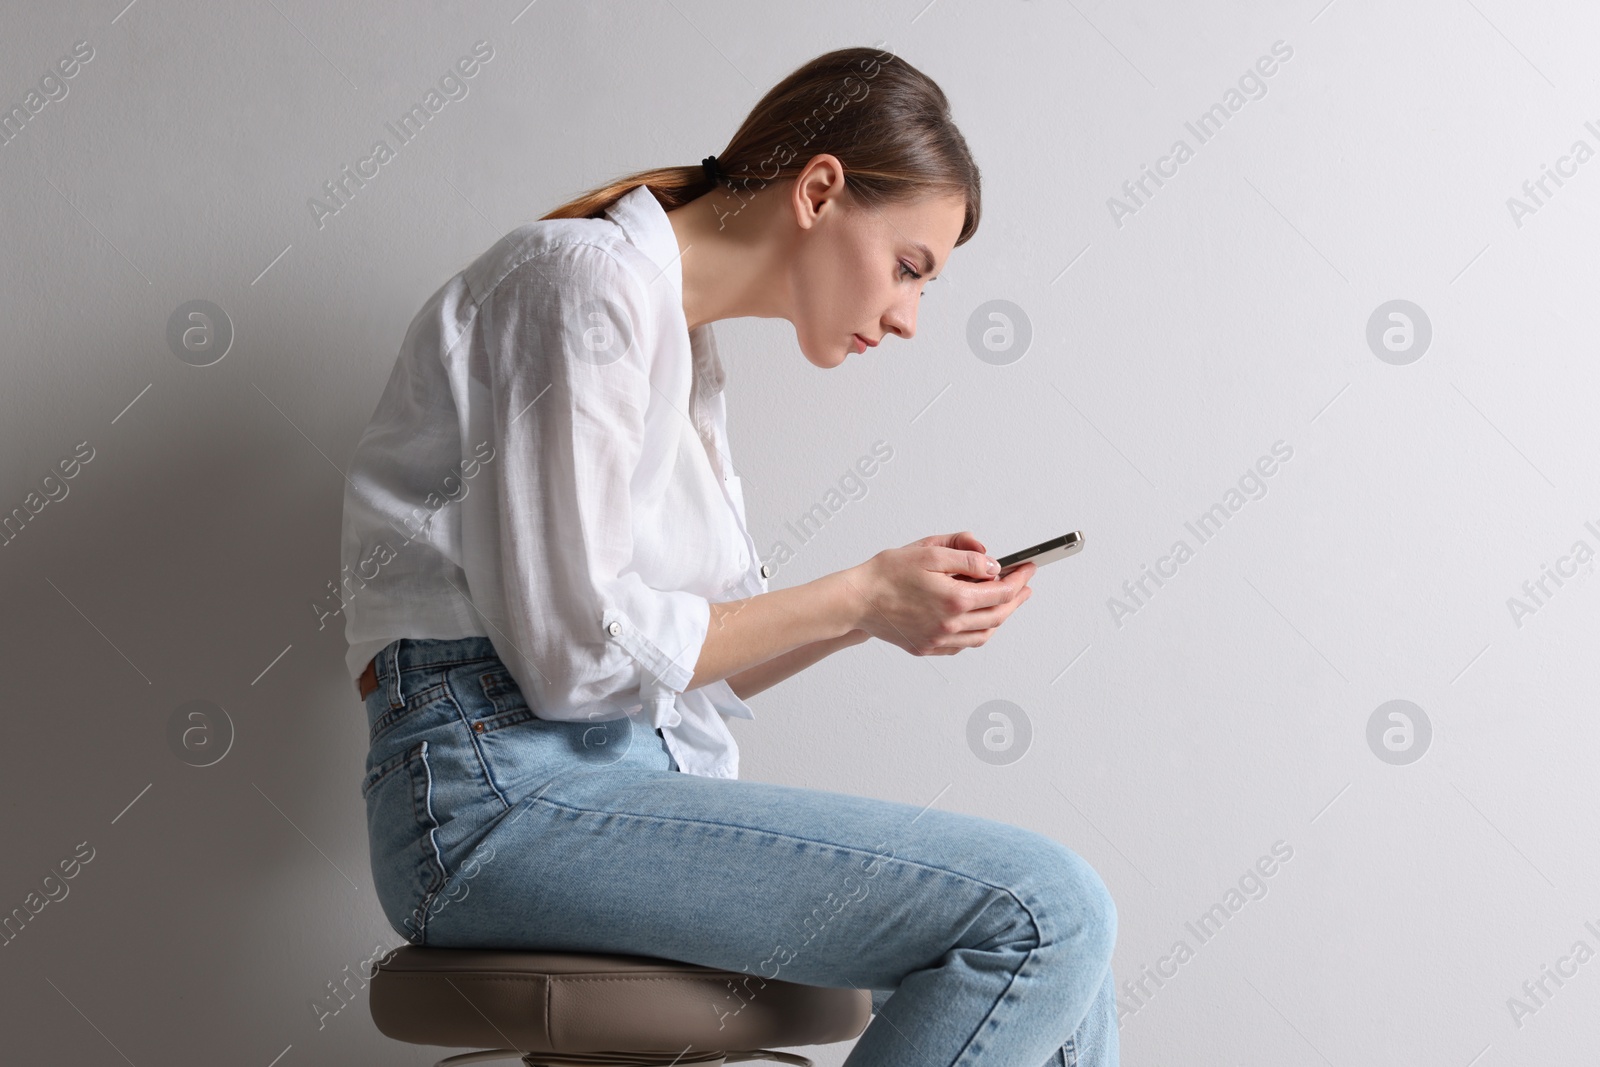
(660, 701)
(666, 641)
(725, 700)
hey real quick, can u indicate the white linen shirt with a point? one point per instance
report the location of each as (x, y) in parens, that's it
(548, 468)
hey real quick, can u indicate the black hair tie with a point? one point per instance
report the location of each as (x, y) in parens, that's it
(710, 165)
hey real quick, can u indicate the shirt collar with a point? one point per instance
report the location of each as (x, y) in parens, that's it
(646, 225)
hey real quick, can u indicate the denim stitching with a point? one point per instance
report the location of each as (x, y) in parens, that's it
(477, 748)
(497, 685)
(445, 664)
(429, 891)
(770, 833)
(389, 673)
(502, 720)
(972, 1042)
(388, 719)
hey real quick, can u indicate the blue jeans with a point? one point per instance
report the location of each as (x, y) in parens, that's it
(983, 943)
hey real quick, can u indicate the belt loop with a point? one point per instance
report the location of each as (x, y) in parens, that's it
(391, 660)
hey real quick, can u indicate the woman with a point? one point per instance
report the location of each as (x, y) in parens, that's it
(553, 602)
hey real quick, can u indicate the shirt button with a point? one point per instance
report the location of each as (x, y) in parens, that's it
(766, 571)
(614, 629)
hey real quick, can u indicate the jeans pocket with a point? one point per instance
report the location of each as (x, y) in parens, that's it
(406, 866)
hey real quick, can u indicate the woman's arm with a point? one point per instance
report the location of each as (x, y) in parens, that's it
(744, 634)
(752, 680)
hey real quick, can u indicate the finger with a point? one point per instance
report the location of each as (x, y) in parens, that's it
(978, 622)
(965, 639)
(1018, 576)
(1025, 570)
(988, 618)
(997, 591)
(963, 540)
(958, 562)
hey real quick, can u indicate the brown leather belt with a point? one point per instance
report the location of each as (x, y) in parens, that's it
(369, 678)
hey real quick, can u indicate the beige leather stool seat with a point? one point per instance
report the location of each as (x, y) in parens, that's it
(564, 1009)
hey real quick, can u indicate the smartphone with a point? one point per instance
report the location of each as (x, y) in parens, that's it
(1040, 554)
(1043, 552)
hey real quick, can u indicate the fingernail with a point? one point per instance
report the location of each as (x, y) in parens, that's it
(994, 567)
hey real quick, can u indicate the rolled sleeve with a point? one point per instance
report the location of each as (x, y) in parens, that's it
(570, 386)
(650, 643)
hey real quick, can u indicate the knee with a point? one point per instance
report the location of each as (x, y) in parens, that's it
(1074, 904)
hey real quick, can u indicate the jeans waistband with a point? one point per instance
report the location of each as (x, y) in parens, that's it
(430, 653)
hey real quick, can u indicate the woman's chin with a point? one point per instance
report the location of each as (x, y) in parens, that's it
(828, 360)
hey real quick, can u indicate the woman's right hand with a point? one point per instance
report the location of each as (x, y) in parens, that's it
(911, 597)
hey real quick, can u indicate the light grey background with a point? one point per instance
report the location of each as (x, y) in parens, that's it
(1173, 750)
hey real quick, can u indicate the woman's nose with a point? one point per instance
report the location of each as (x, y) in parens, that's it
(902, 320)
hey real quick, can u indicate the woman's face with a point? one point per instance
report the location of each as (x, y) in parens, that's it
(861, 270)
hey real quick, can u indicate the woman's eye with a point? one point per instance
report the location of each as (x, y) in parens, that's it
(906, 271)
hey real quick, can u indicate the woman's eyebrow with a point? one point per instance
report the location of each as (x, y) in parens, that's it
(927, 259)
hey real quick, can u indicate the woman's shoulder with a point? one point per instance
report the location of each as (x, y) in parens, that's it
(586, 254)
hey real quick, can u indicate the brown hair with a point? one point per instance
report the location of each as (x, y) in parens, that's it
(886, 121)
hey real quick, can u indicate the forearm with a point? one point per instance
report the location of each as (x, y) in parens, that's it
(744, 633)
(752, 680)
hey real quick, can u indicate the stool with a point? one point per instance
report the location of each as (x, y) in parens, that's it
(575, 1009)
